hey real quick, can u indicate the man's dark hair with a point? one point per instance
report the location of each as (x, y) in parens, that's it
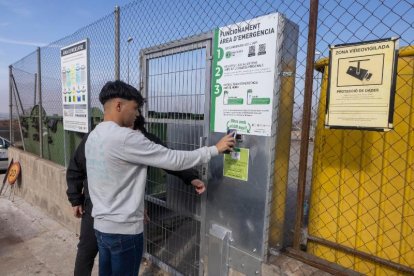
(120, 89)
(139, 124)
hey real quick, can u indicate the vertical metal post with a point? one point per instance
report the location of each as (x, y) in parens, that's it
(39, 88)
(307, 106)
(129, 42)
(117, 42)
(35, 89)
(11, 136)
(65, 149)
(205, 167)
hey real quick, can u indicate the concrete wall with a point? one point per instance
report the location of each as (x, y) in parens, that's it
(43, 183)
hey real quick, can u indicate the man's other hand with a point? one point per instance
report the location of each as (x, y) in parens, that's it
(199, 186)
(146, 217)
(78, 211)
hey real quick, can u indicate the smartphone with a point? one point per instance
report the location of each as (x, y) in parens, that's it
(234, 131)
(231, 130)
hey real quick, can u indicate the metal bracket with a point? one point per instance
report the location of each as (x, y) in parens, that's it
(218, 250)
(287, 74)
(244, 262)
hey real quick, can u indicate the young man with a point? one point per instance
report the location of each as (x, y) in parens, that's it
(116, 160)
(78, 196)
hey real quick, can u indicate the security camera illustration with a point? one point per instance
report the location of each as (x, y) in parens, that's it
(358, 72)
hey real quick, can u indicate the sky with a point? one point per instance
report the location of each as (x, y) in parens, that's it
(27, 24)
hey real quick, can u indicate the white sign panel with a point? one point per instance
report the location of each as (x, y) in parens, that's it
(75, 86)
(362, 85)
(244, 76)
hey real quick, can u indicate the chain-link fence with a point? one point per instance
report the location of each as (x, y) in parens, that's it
(360, 211)
(362, 205)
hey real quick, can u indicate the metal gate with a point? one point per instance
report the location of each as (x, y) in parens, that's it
(175, 80)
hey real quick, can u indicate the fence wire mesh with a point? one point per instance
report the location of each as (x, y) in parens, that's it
(359, 184)
(175, 96)
(361, 193)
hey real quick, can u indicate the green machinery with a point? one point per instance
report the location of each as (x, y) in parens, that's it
(54, 141)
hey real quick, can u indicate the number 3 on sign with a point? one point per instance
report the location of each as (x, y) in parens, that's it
(217, 89)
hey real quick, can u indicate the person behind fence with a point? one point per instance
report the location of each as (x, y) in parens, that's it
(116, 160)
(78, 196)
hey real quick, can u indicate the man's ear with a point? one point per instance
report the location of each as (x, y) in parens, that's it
(118, 106)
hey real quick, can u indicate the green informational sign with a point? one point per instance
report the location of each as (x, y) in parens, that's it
(74, 63)
(236, 164)
(243, 76)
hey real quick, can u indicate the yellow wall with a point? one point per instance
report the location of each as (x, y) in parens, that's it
(362, 193)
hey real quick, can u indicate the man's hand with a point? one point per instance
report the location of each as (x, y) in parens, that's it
(226, 143)
(78, 211)
(146, 217)
(199, 186)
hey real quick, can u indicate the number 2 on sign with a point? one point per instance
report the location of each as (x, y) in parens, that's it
(219, 72)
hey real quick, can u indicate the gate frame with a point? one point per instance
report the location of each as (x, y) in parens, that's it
(204, 40)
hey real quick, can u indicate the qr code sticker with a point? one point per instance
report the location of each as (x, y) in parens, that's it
(252, 51)
(262, 49)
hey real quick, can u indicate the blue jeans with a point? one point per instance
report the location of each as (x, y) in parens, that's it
(119, 254)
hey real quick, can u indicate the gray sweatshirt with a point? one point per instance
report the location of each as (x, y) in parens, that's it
(116, 162)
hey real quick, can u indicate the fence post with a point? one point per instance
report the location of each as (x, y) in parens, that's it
(39, 88)
(117, 42)
(35, 89)
(11, 136)
(307, 106)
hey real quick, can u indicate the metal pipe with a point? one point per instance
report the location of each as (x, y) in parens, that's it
(18, 95)
(129, 42)
(307, 106)
(332, 268)
(40, 109)
(11, 136)
(117, 42)
(18, 118)
(375, 259)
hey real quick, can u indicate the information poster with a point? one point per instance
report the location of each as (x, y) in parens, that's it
(75, 86)
(236, 164)
(362, 85)
(243, 76)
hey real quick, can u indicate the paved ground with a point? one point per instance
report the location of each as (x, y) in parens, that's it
(33, 244)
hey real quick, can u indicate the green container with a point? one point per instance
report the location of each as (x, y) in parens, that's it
(53, 135)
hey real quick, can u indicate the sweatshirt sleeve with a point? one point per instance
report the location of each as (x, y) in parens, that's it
(187, 175)
(76, 175)
(138, 149)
